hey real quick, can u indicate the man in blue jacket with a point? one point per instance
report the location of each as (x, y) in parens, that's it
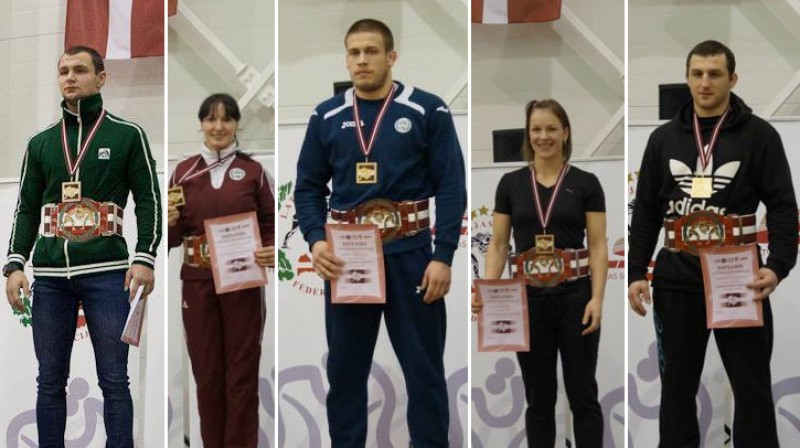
(385, 147)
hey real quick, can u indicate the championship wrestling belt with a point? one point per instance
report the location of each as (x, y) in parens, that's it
(547, 269)
(81, 220)
(195, 251)
(698, 230)
(394, 219)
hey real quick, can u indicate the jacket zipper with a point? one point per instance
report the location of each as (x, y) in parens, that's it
(77, 175)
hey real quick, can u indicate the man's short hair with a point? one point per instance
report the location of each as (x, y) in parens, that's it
(97, 60)
(713, 48)
(374, 26)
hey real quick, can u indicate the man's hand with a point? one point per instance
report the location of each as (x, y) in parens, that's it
(765, 283)
(265, 256)
(325, 263)
(173, 215)
(593, 313)
(436, 281)
(638, 295)
(139, 275)
(17, 280)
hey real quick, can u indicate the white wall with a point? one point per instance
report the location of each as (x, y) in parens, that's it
(763, 34)
(220, 47)
(512, 64)
(31, 41)
(430, 39)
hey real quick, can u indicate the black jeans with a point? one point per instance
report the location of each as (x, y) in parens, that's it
(555, 324)
(680, 319)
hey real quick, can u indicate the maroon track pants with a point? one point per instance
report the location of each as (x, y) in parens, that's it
(223, 335)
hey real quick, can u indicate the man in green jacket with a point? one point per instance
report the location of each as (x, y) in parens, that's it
(75, 181)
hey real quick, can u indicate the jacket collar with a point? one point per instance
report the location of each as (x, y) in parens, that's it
(211, 156)
(88, 107)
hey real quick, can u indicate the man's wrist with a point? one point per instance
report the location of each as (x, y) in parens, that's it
(11, 267)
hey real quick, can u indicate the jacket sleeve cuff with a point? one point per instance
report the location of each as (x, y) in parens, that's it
(444, 253)
(17, 258)
(780, 271)
(145, 259)
(313, 236)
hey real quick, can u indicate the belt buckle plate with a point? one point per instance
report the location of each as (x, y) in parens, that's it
(78, 221)
(382, 213)
(703, 229)
(542, 270)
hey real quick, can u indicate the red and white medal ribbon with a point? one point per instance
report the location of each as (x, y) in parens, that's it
(366, 147)
(72, 167)
(191, 173)
(544, 217)
(706, 152)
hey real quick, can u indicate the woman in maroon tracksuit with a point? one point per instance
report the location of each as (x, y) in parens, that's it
(223, 331)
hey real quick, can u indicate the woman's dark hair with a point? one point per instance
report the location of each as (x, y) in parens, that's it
(229, 104)
(556, 109)
(209, 107)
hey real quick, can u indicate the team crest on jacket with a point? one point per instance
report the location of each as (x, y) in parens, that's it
(402, 125)
(236, 174)
(104, 154)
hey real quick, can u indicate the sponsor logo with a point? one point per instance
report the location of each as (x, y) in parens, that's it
(402, 125)
(350, 124)
(236, 174)
(104, 154)
(683, 175)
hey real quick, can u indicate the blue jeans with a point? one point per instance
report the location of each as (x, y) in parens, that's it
(55, 313)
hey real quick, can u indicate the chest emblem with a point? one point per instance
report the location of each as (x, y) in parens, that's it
(236, 174)
(104, 154)
(721, 177)
(402, 125)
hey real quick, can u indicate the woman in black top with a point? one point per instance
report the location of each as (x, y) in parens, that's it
(564, 317)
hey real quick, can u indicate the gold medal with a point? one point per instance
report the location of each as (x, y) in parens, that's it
(702, 187)
(175, 196)
(545, 243)
(366, 173)
(70, 191)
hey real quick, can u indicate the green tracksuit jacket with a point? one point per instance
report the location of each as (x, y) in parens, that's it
(117, 162)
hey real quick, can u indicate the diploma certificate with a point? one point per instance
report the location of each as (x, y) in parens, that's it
(727, 271)
(232, 242)
(503, 320)
(132, 333)
(362, 279)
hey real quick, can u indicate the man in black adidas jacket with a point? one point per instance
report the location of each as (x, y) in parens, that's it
(743, 162)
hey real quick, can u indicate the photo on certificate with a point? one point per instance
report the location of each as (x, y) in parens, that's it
(503, 320)
(727, 271)
(232, 242)
(362, 280)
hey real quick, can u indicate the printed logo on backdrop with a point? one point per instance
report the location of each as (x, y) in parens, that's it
(505, 385)
(302, 392)
(84, 413)
(294, 261)
(26, 317)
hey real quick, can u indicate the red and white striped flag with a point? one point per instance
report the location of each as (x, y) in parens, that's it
(515, 11)
(117, 29)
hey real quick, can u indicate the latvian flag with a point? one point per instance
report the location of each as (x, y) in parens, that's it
(118, 29)
(515, 11)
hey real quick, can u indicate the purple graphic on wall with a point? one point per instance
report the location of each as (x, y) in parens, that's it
(23, 427)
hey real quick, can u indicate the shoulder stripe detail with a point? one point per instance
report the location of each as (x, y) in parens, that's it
(153, 180)
(348, 102)
(405, 99)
